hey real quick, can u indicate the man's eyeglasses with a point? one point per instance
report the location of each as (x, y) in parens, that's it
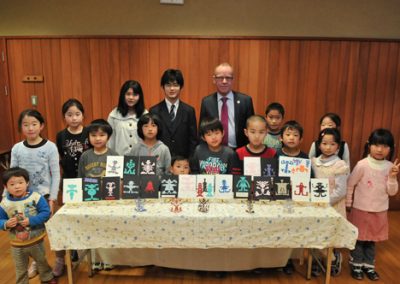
(222, 78)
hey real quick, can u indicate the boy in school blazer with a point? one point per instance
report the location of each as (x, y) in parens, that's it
(179, 126)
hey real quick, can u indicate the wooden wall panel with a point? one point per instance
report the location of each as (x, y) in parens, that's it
(357, 79)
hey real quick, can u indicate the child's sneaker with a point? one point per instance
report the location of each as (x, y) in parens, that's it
(107, 266)
(97, 266)
(58, 269)
(356, 272)
(32, 270)
(336, 266)
(371, 273)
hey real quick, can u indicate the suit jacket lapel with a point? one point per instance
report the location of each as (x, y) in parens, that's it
(164, 115)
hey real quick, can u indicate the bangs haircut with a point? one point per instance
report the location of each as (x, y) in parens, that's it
(329, 131)
(72, 102)
(145, 119)
(275, 106)
(137, 90)
(210, 124)
(292, 125)
(332, 116)
(172, 76)
(380, 136)
(100, 124)
(30, 112)
(15, 172)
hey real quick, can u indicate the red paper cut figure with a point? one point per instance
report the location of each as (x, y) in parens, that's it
(149, 186)
(301, 191)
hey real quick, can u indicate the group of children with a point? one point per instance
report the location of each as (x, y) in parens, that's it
(83, 151)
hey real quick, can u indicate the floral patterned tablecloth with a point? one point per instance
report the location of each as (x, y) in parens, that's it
(116, 224)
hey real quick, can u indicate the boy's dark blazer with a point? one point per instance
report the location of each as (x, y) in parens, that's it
(180, 135)
(243, 110)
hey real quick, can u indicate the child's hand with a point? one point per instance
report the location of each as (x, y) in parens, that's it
(395, 169)
(12, 222)
(25, 222)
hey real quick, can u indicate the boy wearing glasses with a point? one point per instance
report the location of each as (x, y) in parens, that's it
(178, 119)
(230, 107)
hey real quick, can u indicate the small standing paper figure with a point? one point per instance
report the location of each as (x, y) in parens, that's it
(224, 187)
(289, 206)
(140, 205)
(210, 190)
(199, 190)
(203, 205)
(250, 206)
(176, 205)
(113, 167)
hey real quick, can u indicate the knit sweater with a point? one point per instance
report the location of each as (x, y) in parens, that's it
(32, 206)
(371, 185)
(42, 163)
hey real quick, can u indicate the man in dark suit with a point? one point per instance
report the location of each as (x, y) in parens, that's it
(232, 107)
(178, 119)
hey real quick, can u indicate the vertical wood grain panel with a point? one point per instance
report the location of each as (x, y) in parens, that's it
(357, 79)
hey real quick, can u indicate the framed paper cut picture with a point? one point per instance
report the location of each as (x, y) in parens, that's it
(224, 186)
(149, 186)
(169, 186)
(110, 188)
(264, 188)
(72, 190)
(241, 186)
(147, 165)
(115, 166)
(319, 190)
(130, 187)
(252, 166)
(290, 166)
(282, 188)
(131, 165)
(91, 189)
(187, 186)
(269, 167)
(205, 186)
(300, 188)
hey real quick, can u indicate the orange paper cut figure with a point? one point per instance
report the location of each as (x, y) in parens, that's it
(301, 188)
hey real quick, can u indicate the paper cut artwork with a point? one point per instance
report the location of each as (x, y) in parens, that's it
(282, 188)
(114, 166)
(91, 189)
(300, 188)
(110, 188)
(269, 167)
(149, 186)
(252, 166)
(148, 165)
(169, 186)
(241, 186)
(264, 188)
(140, 205)
(187, 187)
(130, 187)
(131, 164)
(204, 205)
(176, 205)
(205, 186)
(320, 190)
(72, 190)
(223, 186)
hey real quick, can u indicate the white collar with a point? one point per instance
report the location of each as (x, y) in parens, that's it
(229, 96)
(326, 162)
(169, 104)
